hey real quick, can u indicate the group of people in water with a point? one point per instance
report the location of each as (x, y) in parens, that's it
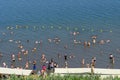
(51, 64)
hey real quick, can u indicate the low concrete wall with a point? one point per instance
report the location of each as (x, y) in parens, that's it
(87, 70)
(15, 71)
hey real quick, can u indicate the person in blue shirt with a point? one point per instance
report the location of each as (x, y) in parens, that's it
(34, 66)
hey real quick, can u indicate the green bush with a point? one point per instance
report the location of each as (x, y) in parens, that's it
(58, 77)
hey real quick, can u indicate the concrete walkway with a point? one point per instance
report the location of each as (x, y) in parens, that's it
(15, 71)
(88, 70)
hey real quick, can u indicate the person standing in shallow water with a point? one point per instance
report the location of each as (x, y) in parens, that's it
(85, 44)
(13, 57)
(83, 63)
(34, 67)
(43, 58)
(94, 39)
(111, 62)
(93, 61)
(66, 61)
(27, 65)
(93, 65)
(65, 57)
(19, 56)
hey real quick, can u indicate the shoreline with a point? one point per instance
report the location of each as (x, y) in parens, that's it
(102, 73)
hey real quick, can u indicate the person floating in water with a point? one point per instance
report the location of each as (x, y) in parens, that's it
(56, 40)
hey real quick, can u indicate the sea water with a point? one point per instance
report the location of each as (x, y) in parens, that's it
(37, 20)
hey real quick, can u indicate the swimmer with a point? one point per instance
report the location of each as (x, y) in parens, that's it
(94, 41)
(59, 55)
(23, 50)
(76, 42)
(102, 42)
(20, 46)
(18, 42)
(49, 40)
(72, 56)
(40, 42)
(79, 42)
(66, 64)
(65, 57)
(43, 55)
(78, 32)
(4, 65)
(27, 65)
(19, 56)
(34, 67)
(43, 69)
(93, 61)
(85, 43)
(74, 33)
(43, 58)
(36, 42)
(94, 37)
(34, 49)
(26, 52)
(10, 40)
(108, 41)
(11, 28)
(13, 57)
(83, 62)
(88, 44)
(66, 46)
(112, 61)
(57, 40)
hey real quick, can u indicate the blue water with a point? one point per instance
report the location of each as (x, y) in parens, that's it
(65, 17)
